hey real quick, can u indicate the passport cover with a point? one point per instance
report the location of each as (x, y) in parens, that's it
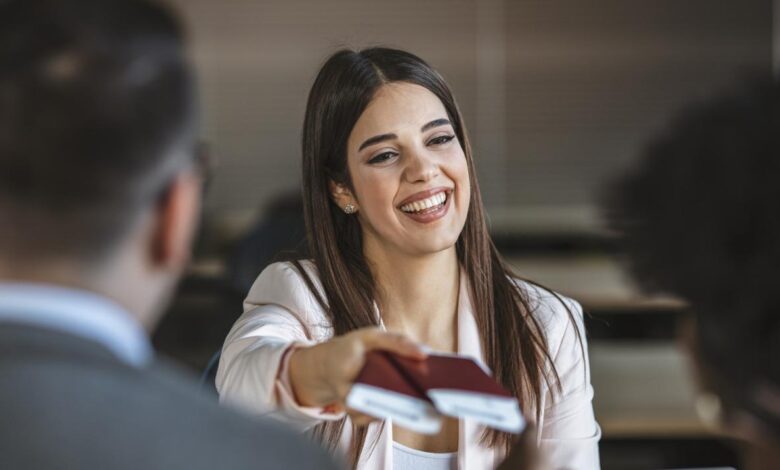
(416, 393)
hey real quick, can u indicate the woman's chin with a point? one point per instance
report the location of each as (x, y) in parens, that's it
(432, 245)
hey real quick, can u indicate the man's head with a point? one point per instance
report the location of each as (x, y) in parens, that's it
(700, 219)
(97, 122)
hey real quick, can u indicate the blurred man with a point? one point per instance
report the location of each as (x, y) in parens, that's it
(700, 219)
(99, 196)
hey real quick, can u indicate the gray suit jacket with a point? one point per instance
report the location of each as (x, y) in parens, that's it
(68, 403)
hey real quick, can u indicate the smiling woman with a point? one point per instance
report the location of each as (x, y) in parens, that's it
(408, 173)
(401, 258)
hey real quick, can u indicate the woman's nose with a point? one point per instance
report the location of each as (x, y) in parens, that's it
(421, 167)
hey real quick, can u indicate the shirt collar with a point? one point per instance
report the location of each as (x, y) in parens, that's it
(79, 313)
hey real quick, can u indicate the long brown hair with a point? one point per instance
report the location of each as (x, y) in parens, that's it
(513, 341)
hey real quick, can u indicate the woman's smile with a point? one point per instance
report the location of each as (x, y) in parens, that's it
(427, 206)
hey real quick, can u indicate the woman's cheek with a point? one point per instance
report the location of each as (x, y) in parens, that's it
(377, 195)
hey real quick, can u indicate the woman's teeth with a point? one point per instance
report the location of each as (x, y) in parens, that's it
(437, 199)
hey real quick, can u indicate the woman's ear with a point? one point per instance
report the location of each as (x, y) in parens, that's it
(343, 197)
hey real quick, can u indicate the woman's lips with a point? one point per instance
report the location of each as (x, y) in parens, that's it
(422, 195)
(431, 214)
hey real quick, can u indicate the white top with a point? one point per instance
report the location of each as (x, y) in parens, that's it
(76, 312)
(280, 312)
(406, 458)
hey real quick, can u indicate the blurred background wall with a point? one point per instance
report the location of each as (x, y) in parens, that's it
(557, 96)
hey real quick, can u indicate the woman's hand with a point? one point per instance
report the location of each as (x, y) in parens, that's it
(322, 375)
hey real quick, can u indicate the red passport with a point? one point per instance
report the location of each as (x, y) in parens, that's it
(415, 394)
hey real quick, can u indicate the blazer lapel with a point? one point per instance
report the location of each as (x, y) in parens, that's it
(470, 453)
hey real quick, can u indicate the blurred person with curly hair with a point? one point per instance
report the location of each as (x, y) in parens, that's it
(699, 218)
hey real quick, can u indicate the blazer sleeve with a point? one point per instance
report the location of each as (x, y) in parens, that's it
(569, 433)
(280, 313)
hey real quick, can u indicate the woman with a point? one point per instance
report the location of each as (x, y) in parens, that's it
(401, 256)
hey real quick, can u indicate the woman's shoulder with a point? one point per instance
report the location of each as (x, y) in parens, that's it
(288, 284)
(560, 317)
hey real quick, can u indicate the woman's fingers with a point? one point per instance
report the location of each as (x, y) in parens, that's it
(325, 373)
(393, 342)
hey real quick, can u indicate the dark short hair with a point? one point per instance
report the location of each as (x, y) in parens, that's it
(700, 218)
(96, 115)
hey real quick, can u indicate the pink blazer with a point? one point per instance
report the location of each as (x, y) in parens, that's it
(281, 311)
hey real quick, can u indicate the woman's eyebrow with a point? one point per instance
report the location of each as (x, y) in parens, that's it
(383, 137)
(435, 123)
(376, 139)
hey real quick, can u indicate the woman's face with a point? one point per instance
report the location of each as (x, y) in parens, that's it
(409, 173)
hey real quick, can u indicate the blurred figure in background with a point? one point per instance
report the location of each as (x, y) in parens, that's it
(700, 219)
(279, 233)
(99, 196)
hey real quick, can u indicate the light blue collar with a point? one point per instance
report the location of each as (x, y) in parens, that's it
(79, 313)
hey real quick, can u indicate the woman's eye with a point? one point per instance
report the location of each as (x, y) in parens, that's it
(382, 157)
(442, 139)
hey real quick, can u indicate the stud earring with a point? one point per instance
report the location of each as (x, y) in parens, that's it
(349, 208)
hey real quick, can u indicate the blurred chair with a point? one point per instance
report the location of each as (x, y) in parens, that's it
(279, 233)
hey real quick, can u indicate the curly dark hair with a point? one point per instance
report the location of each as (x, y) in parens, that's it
(699, 218)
